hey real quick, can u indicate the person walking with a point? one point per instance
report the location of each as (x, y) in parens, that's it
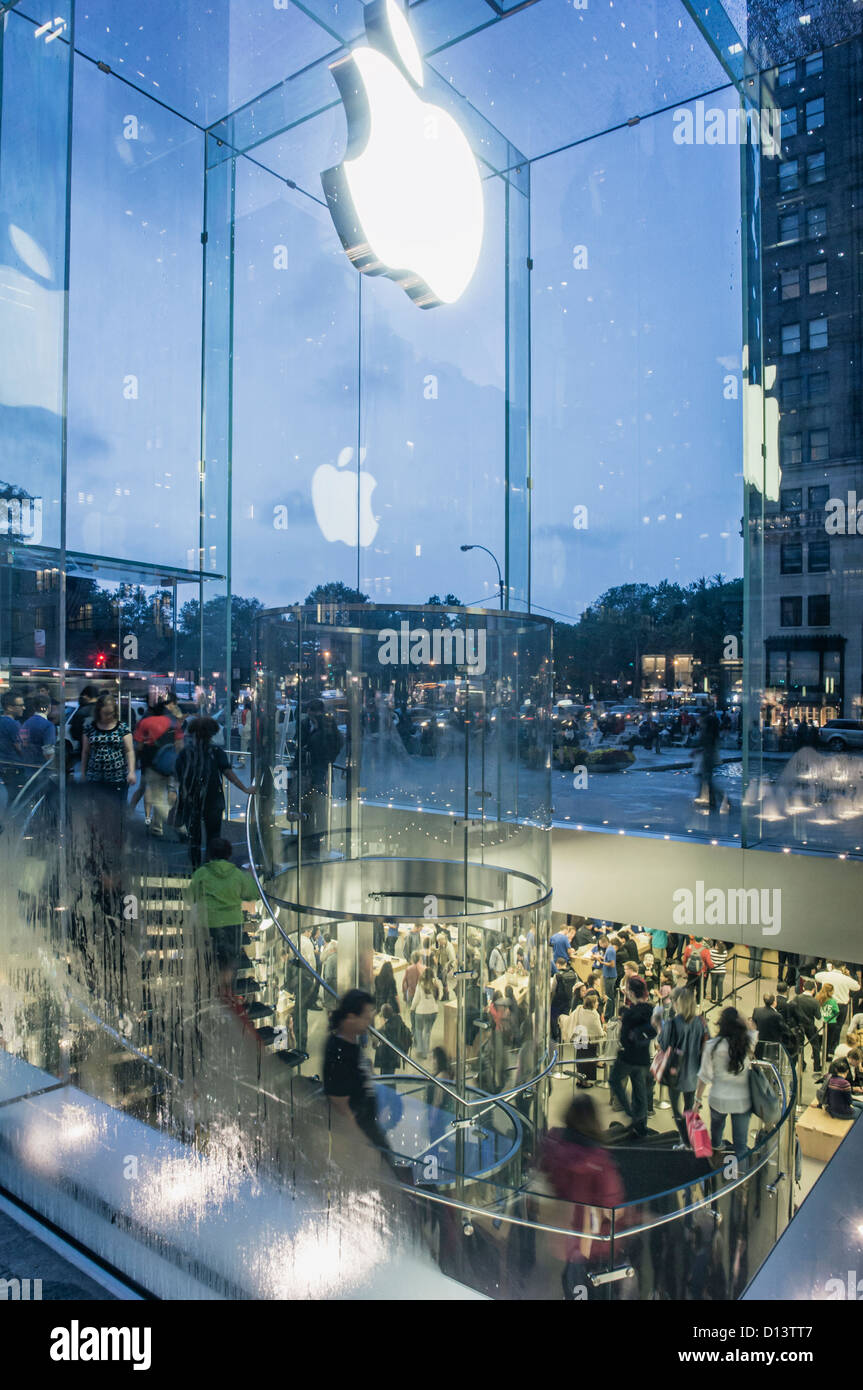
(395, 1033)
(425, 1010)
(718, 963)
(583, 1173)
(107, 751)
(696, 963)
(685, 1033)
(348, 1083)
(220, 889)
(159, 739)
(561, 998)
(725, 1066)
(607, 954)
(633, 1058)
(201, 798)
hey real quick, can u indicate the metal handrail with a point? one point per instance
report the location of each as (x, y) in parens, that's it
(417, 1067)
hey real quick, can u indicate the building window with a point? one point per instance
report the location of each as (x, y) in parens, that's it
(82, 618)
(791, 499)
(790, 338)
(789, 176)
(791, 612)
(816, 167)
(789, 122)
(787, 74)
(817, 335)
(804, 671)
(819, 452)
(818, 497)
(791, 390)
(46, 580)
(792, 450)
(814, 64)
(789, 226)
(818, 606)
(790, 283)
(815, 114)
(819, 386)
(818, 277)
(816, 222)
(819, 557)
(791, 557)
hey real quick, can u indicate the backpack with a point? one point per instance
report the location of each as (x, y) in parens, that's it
(694, 963)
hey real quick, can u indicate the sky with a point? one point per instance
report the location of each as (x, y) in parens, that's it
(634, 355)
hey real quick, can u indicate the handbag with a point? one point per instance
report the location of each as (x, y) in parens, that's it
(660, 1062)
(699, 1135)
(765, 1099)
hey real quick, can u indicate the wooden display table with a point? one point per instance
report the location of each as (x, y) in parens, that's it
(819, 1134)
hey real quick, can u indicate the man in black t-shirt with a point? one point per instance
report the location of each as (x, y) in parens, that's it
(348, 1081)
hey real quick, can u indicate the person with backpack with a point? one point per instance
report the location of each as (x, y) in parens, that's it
(159, 739)
(633, 1058)
(201, 798)
(697, 964)
(685, 1034)
(725, 1066)
(319, 745)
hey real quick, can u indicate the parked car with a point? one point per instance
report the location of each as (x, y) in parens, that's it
(840, 734)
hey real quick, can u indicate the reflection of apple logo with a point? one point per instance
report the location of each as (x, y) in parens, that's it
(761, 427)
(407, 201)
(334, 498)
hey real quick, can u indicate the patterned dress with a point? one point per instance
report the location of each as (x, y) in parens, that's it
(107, 761)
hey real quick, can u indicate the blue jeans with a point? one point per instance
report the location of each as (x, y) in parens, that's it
(637, 1111)
(422, 1037)
(739, 1130)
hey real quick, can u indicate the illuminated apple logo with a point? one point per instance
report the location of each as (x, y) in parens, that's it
(334, 498)
(407, 201)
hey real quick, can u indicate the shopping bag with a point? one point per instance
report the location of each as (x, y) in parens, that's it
(699, 1135)
(660, 1062)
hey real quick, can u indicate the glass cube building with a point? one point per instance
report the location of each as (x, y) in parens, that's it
(457, 403)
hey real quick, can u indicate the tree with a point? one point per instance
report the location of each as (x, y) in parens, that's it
(448, 601)
(335, 592)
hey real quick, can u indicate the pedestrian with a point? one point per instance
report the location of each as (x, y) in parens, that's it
(561, 994)
(107, 751)
(830, 1017)
(607, 954)
(586, 1032)
(391, 936)
(718, 960)
(844, 985)
(348, 1081)
(394, 1034)
(201, 798)
(633, 1059)
(159, 739)
(386, 991)
(583, 1174)
(725, 1067)
(13, 770)
(497, 962)
(697, 964)
(87, 697)
(685, 1033)
(220, 889)
(38, 734)
(809, 1013)
(425, 1010)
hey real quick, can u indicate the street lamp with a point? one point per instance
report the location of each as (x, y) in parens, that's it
(497, 567)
